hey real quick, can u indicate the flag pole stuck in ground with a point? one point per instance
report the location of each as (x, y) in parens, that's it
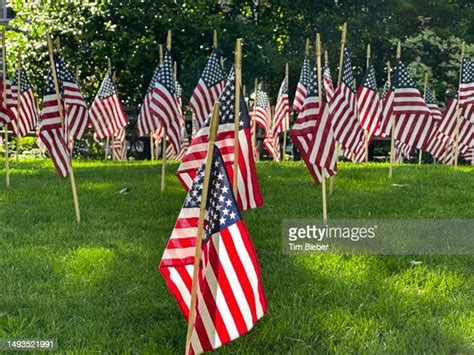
(4, 103)
(366, 131)
(163, 153)
(254, 123)
(18, 105)
(61, 113)
(287, 118)
(458, 112)
(202, 216)
(392, 117)
(238, 78)
(320, 100)
(425, 85)
(107, 141)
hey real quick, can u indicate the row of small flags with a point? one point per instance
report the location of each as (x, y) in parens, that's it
(209, 263)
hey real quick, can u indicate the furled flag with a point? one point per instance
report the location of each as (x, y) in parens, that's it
(282, 109)
(209, 87)
(106, 112)
(51, 130)
(271, 141)
(466, 89)
(249, 195)
(312, 134)
(327, 83)
(230, 297)
(414, 123)
(437, 146)
(75, 108)
(263, 117)
(7, 116)
(388, 95)
(161, 105)
(369, 104)
(343, 107)
(28, 114)
(118, 145)
(302, 86)
(403, 148)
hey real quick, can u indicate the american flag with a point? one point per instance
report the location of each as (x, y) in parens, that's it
(106, 112)
(209, 87)
(75, 108)
(263, 112)
(466, 89)
(7, 116)
(52, 132)
(282, 109)
(118, 145)
(414, 124)
(346, 126)
(230, 296)
(403, 148)
(447, 129)
(164, 104)
(432, 105)
(437, 146)
(147, 121)
(302, 86)
(171, 155)
(388, 95)
(312, 134)
(28, 115)
(271, 141)
(369, 104)
(327, 83)
(249, 195)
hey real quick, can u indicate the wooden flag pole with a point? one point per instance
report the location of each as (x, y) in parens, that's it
(306, 47)
(339, 78)
(392, 118)
(320, 100)
(238, 76)
(202, 216)
(287, 75)
(4, 102)
(163, 153)
(425, 85)
(326, 58)
(254, 131)
(458, 112)
(154, 140)
(61, 114)
(18, 107)
(214, 39)
(366, 132)
(272, 120)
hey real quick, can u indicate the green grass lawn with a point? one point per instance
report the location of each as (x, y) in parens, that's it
(94, 286)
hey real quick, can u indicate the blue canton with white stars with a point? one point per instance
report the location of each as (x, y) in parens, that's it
(467, 71)
(107, 88)
(213, 73)
(305, 73)
(369, 79)
(154, 79)
(262, 99)
(227, 101)
(313, 84)
(402, 79)
(62, 73)
(165, 75)
(283, 88)
(24, 82)
(429, 98)
(347, 75)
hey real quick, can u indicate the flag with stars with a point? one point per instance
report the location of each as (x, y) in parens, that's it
(230, 296)
(414, 124)
(347, 129)
(147, 121)
(106, 112)
(312, 134)
(369, 104)
(76, 115)
(327, 83)
(208, 89)
(388, 94)
(466, 89)
(27, 117)
(51, 130)
(302, 86)
(249, 195)
(437, 146)
(282, 109)
(164, 103)
(263, 112)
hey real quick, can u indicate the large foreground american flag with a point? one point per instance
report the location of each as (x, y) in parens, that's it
(209, 87)
(106, 112)
(346, 126)
(249, 195)
(230, 297)
(312, 134)
(414, 123)
(27, 116)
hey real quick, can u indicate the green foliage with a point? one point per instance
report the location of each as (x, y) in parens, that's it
(94, 287)
(274, 32)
